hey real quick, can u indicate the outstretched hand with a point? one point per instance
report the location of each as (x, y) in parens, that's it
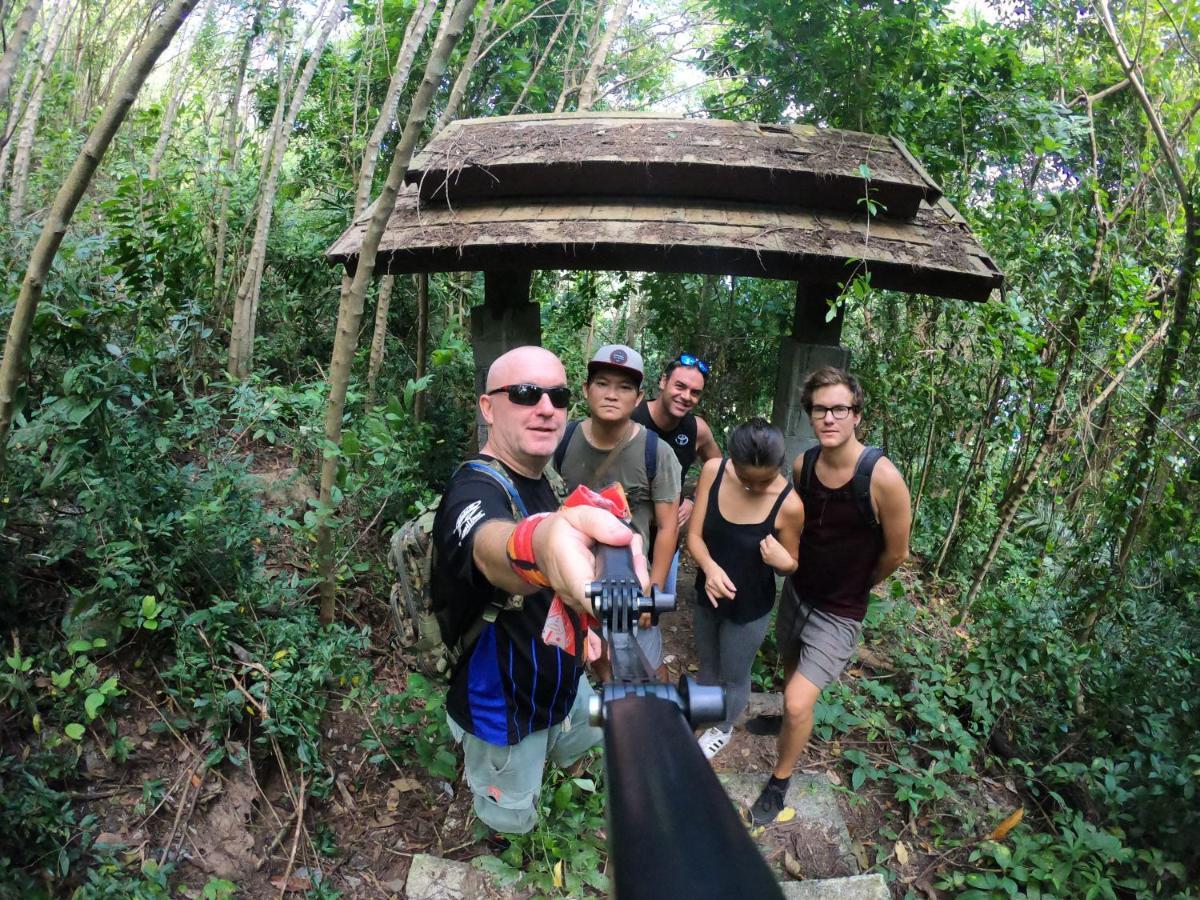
(563, 548)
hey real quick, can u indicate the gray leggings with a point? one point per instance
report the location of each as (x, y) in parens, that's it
(726, 651)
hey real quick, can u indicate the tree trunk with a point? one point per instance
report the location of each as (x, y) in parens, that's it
(23, 124)
(16, 346)
(174, 98)
(350, 311)
(483, 26)
(16, 43)
(422, 343)
(587, 90)
(245, 310)
(1018, 490)
(969, 477)
(379, 335)
(414, 34)
(231, 145)
(568, 76)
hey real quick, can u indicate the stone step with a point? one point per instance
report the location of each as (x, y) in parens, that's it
(434, 878)
(856, 887)
(815, 842)
(769, 704)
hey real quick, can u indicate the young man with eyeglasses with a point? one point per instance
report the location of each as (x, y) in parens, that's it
(608, 446)
(517, 694)
(857, 519)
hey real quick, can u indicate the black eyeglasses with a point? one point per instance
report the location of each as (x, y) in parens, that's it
(686, 359)
(531, 394)
(818, 413)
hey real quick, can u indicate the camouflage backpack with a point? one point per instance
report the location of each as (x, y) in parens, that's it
(411, 557)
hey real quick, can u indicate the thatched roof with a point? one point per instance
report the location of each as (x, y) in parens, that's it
(621, 191)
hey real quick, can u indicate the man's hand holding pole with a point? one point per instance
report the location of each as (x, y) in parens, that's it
(563, 546)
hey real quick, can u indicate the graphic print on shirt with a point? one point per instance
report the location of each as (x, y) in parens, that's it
(468, 519)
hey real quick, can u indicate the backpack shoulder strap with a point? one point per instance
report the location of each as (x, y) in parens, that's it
(806, 468)
(560, 452)
(495, 470)
(862, 484)
(651, 455)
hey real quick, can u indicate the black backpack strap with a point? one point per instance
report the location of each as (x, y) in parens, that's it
(560, 452)
(806, 469)
(651, 456)
(862, 484)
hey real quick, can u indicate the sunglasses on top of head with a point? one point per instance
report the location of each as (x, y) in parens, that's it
(531, 394)
(686, 359)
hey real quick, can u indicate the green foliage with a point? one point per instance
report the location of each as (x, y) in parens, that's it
(411, 725)
(565, 854)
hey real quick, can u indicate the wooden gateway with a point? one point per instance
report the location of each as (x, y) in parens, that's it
(626, 191)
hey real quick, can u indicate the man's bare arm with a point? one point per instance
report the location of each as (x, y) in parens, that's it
(706, 444)
(894, 509)
(562, 550)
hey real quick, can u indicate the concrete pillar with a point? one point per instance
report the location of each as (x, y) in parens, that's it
(507, 319)
(814, 342)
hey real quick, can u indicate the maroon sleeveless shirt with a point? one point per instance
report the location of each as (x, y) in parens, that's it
(838, 551)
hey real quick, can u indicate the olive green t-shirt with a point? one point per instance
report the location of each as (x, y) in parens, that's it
(582, 460)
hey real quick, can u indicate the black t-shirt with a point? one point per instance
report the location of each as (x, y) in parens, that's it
(510, 683)
(681, 439)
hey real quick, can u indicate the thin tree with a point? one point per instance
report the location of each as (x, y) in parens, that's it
(587, 88)
(414, 34)
(483, 27)
(351, 308)
(245, 310)
(230, 145)
(16, 345)
(16, 43)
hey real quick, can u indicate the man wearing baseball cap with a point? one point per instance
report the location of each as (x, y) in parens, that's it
(609, 446)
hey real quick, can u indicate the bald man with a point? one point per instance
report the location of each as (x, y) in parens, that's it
(515, 699)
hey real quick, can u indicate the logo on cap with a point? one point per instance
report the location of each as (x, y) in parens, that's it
(619, 357)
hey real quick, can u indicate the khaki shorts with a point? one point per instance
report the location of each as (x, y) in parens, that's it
(818, 644)
(506, 781)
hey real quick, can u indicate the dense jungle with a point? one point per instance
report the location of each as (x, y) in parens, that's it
(207, 438)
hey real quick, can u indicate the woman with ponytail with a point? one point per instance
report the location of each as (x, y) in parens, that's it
(750, 523)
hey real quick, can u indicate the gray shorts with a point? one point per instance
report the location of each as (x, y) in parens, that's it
(817, 644)
(506, 781)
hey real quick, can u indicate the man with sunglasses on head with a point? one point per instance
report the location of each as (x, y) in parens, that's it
(857, 519)
(670, 416)
(608, 446)
(502, 550)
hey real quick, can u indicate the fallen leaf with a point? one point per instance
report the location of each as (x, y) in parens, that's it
(786, 815)
(293, 885)
(558, 874)
(110, 839)
(860, 854)
(757, 830)
(791, 865)
(901, 851)
(1001, 831)
(393, 800)
(833, 777)
(406, 784)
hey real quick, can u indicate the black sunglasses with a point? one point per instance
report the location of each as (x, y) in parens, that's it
(531, 394)
(686, 359)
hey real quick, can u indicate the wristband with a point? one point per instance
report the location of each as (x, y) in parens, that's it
(520, 551)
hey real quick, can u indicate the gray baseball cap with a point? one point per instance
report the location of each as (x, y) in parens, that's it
(618, 356)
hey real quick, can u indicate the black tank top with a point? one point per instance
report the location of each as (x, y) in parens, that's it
(838, 551)
(681, 439)
(734, 547)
